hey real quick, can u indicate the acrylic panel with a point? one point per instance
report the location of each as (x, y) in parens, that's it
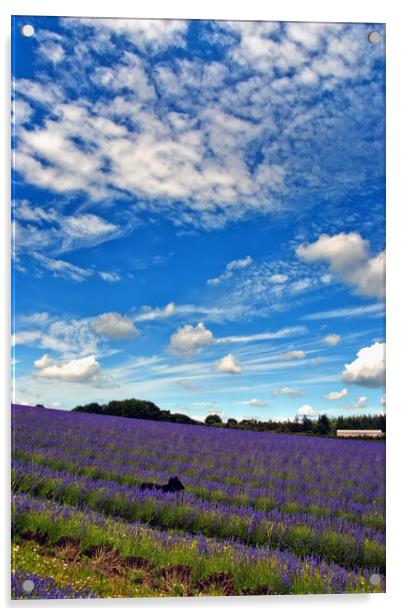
(198, 308)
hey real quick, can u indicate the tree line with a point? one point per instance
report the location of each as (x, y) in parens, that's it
(320, 426)
(136, 409)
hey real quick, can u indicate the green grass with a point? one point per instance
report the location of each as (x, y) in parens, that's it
(219, 573)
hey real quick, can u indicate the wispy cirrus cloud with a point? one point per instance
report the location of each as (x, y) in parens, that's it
(349, 312)
(237, 264)
(285, 332)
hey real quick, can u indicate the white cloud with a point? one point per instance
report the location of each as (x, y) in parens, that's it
(348, 256)
(332, 339)
(87, 226)
(82, 370)
(109, 276)
(44, 362)
(300, 285)
(361, 402)
(281, 333)
(188, 385)
(340, 313)
(25, 337)
(258, 403)
(310, 35)
(307, 410)
(210, 313)
(188, 156)
(36, 318)
(237, 264)
(21, 113)
(326, 278)
(147, 34)
(288, 391)
(114, 325)
(292, 355)
(368, 369)
(336, 395)
(228, 364)
(63, 269)
(46, 231)
(52, 51)
(278, 278)
(383, 400)
(189, 340)
(150, 314)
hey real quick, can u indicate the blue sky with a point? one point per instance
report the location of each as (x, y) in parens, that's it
(199, 215)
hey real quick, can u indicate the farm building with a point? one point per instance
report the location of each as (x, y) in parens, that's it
(359, 433)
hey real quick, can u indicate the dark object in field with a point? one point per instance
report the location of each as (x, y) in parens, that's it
(173, 485)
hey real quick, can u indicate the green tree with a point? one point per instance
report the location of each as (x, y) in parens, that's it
(307, 424)
(213, 419)
(323, 425)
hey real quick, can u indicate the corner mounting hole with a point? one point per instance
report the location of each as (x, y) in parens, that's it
(28, 30)
(374, 37)
(375, 579)
(28, 585)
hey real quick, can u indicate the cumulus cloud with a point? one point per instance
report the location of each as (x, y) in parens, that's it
(361, 402)
(383, 400)
(82, 370)
(237, 264)
(258, 403)
(306, 410)
(44, 362)
(288, 391)
(228, 364)
(292, 355)
(336, 395)
(190, 339)
(349, 260)
(114, 325)
(332, 339)
(368, 369)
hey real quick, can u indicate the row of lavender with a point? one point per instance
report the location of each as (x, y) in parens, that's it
(250, 565)
(317, 498)
(344, 475)
(310, 534)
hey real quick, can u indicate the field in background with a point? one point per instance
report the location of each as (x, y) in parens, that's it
(261, 513)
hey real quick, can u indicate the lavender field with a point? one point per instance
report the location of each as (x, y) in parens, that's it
(261, 513)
